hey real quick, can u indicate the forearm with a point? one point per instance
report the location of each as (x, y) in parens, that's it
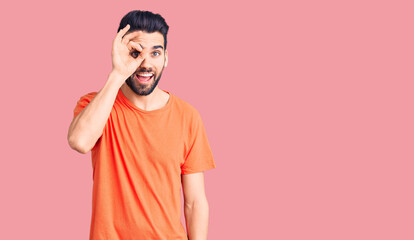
(87, 127)
(197, 215)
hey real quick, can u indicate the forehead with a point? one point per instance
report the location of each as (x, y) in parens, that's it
(145, 38)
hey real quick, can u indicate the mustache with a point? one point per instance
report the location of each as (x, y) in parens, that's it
(144, 71)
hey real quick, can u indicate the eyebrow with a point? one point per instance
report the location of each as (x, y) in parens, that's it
(153, 47)
(157, 46)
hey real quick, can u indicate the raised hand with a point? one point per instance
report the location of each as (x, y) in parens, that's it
(124, 62)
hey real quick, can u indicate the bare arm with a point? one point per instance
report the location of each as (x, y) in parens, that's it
(196, 209)
(87, 127)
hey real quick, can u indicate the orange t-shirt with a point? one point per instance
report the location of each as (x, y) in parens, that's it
(137, 166)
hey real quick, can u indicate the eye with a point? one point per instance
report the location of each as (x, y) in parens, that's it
(156, 53)
(135, 54)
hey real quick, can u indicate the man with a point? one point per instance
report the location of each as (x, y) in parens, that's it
(145, 143)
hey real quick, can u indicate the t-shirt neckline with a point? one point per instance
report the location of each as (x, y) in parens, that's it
(130, 104)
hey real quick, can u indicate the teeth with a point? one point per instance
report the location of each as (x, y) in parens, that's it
(145, 74)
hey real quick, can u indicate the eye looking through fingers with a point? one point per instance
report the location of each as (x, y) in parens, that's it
(135, 53)
(135, 49)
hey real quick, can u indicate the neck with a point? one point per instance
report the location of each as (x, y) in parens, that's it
(155, 100)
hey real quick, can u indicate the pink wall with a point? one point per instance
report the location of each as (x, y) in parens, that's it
(308, 106)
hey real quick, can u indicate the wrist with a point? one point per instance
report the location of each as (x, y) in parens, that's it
(117, 78)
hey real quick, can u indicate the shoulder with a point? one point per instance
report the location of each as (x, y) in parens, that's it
(83, 102)
(188, 114)
(185, 107)
(88, 96)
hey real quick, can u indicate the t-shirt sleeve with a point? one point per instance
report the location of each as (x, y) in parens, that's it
(83, 102)
(199, 156)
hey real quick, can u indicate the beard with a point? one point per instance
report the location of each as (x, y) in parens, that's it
(143, 89)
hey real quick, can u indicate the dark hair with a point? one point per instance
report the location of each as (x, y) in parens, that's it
(145, 21)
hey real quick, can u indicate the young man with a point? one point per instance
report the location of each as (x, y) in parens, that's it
(145, 143)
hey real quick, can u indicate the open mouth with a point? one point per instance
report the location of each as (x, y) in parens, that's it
(144, 77)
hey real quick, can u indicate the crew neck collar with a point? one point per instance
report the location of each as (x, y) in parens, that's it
(126, 101)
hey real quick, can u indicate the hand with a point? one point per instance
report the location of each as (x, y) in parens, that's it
(123, 63)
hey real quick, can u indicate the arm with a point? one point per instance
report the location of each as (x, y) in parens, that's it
(196, 209)
(86, 128)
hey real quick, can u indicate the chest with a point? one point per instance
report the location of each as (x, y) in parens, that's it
(150, 141)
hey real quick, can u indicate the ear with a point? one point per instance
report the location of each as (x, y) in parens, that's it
(166, 58)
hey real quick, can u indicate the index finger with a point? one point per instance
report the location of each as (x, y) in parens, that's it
(135, 45)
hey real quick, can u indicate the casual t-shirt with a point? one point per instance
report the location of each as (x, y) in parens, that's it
(137, 166)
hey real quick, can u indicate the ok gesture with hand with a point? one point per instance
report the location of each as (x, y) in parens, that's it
(123, 63)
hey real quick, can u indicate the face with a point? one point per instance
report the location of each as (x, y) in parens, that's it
(148, 74)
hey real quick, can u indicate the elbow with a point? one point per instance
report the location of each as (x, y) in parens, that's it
(196, 204)
(77, 145)
(81, 150)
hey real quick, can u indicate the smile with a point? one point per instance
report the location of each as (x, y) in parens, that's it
(144, 77)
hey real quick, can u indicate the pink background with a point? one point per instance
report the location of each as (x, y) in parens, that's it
(308, 106)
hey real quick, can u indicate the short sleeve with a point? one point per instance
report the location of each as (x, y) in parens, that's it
(83, 102)
(199, 156)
